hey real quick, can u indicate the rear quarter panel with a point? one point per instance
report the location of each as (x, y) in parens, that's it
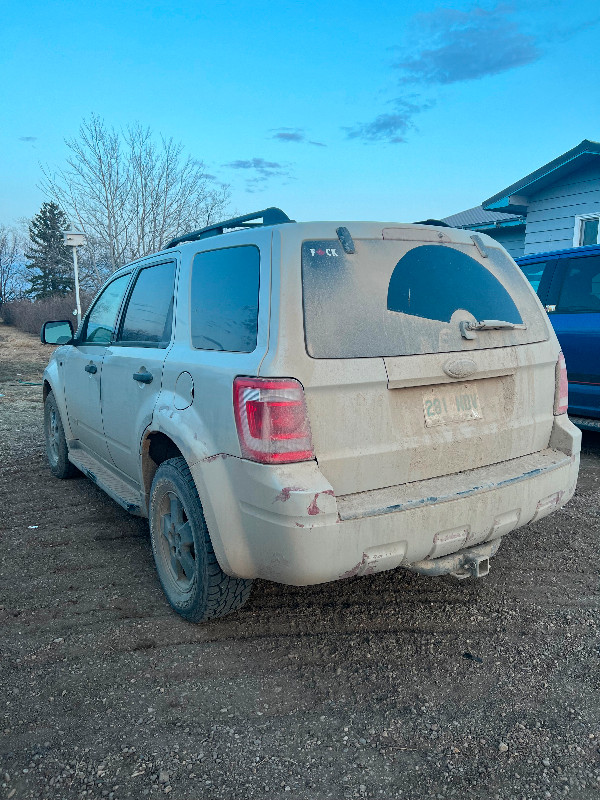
(204, 425)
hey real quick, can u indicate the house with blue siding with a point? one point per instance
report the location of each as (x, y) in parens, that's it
(555, 207)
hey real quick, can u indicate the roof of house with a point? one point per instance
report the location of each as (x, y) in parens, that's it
(480, 218)
(513, 199)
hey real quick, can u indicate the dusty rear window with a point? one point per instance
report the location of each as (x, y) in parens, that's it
(393, 298)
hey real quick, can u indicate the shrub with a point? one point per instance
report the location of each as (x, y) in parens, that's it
(29, 315)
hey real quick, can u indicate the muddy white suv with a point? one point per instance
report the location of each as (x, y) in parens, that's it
(306, 402)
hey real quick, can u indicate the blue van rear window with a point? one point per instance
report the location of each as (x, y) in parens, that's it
(534, 272)
(581, 286)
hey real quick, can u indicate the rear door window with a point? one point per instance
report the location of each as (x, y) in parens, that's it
(224, 304)
(580, 290)
(393, 298)
(149, 314)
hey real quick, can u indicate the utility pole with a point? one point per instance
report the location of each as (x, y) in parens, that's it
(74, 239)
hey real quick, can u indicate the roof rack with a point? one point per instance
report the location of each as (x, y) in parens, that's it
(439, 222)
(269, 216)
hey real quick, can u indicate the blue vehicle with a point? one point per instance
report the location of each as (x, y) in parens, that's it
(568, 285)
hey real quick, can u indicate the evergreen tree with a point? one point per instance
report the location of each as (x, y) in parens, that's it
(50, 263)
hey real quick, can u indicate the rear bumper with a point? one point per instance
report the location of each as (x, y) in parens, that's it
(283, 523)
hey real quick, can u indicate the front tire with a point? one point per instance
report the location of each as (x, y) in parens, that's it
(57, 451)
(189, 573)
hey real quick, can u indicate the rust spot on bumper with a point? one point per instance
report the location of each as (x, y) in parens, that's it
(354, 571)
(313, 508)
(284, 494)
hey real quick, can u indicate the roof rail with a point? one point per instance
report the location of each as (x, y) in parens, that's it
(269, 216)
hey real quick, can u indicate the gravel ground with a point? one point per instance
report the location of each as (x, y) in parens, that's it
(388, 686)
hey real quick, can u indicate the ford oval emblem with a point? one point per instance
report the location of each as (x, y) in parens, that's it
(460, 367)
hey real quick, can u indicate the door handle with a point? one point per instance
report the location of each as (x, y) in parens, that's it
(143, 377)
(91, 368)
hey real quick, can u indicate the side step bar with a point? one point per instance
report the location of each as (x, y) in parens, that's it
(121, 492)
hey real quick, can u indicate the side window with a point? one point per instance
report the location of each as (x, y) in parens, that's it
(101, 321)
(533, 273)
(149, 314)
(224, 299)
(581, 286)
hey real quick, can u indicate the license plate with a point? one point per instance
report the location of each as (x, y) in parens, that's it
(451, 404)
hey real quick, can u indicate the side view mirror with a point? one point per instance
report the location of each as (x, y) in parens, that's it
(57, 332)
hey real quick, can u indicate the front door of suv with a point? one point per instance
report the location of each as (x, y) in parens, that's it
(133, 365)
(82, 368)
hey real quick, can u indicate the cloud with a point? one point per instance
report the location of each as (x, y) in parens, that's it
(259, 171)
(566, 31)
(262, 167)
(28, 138)
(289, 134)
(450, 46)
(293, 135)
(454, 46)
(389, 128)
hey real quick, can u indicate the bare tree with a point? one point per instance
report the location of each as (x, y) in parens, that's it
(95, 264)
(132, 192)
(12, 264)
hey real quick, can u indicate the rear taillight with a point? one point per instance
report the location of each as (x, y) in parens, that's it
(272, 420)
(561, 394)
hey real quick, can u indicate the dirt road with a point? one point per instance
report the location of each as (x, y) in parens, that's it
(389, 686)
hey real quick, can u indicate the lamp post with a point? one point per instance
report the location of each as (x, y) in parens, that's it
(74, 239)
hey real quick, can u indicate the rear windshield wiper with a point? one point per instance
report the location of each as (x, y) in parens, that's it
(467, 329)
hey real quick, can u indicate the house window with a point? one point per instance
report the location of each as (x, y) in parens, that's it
(587, 230)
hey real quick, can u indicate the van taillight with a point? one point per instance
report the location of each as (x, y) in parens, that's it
(272, 420)
(561, 395)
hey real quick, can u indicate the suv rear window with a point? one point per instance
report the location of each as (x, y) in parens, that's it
(393, 298)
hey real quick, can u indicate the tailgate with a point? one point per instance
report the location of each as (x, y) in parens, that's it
(382, 428)
(396, 392)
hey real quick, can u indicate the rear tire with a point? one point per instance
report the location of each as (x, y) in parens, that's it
(192, 580)
(57, 451)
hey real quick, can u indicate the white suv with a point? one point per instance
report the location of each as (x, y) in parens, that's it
(305, 402)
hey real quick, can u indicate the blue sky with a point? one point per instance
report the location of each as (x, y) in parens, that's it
(339, 110)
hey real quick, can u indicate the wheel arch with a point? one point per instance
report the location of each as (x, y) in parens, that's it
(157, 447)
(51, 385)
